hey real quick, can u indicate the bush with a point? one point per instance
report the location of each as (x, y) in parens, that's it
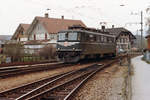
(48, 52)
(15, 51)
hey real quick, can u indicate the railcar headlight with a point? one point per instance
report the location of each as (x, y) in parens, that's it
(73, 48)
(58, 48)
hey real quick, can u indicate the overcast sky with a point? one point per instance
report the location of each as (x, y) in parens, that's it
(91, 12)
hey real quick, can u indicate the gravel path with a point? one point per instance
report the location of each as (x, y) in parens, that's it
(108, 84)
(23, 79)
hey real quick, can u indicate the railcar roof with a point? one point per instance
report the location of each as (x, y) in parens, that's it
(90, 32)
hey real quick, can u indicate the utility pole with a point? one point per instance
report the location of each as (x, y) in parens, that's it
(141, 22)
(141, 29)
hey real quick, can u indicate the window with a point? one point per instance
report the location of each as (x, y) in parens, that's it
(105, 39)
(52, 36)
(102, 39)
(120, 41)
(92, 37)
(72, 36)
(79, 36)
(67, 36)
(123, 40)
(61, 36)
(98, 38)
(21, 31)
(109, 39)
(34, 37)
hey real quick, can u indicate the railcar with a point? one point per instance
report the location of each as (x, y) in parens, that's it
(78, 43)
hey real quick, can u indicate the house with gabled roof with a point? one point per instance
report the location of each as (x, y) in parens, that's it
(19, 35)
(43, 30)
(124, 38)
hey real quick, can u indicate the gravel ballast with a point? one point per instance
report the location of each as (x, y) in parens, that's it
(108, 84)
(27, 78)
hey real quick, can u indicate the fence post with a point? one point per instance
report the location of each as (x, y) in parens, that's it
(129, 64)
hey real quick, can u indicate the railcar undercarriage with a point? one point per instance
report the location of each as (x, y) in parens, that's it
(69, 57)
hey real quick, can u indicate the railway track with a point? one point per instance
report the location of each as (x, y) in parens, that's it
(10, 72)
(60, 87)
(6, 72)
(29, 89)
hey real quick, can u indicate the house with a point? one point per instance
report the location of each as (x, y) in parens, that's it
(32, 47)
(19, 35)
(1, 46)
(3, 39)
(147, 51)
(148, 42)
(43, 30)
(124, 38)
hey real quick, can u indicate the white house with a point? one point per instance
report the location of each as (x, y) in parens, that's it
(19, 35)
(44, 30)
(124, 38)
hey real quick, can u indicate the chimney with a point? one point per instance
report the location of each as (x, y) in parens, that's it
(113, 26)
(46, 15)
(62, 17)
(103, 27)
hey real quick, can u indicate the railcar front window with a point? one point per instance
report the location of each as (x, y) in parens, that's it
(72, 36)
(61, 36)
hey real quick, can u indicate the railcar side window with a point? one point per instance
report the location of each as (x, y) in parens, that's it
(79, 36)
(92, 38)
(102, 39)
(98, 38)
(87, 37)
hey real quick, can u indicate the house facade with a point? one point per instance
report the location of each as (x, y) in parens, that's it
(148, 42)
(1, 46)
(3, 39)
(147, 51)
(124, 38)
(43, 31)
(19, 35)
(32, 47)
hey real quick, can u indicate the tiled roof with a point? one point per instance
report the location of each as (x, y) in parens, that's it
(25, 26)
(148, 36)
(53, 25)
(117, 31)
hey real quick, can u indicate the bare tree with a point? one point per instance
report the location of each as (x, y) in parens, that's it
(15, 51)
(48, 52)
(148, 20)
